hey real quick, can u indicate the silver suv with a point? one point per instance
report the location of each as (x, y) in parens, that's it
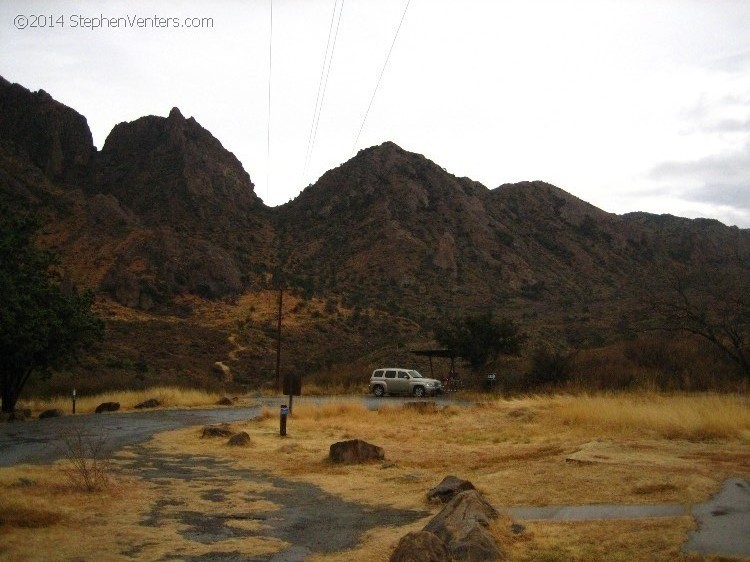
(394, 380)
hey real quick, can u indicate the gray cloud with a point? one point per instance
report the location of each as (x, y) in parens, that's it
(720, 180)
(736, 62)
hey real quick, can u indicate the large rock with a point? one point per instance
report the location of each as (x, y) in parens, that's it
(54, 413)
(241, 439)
(420, 546)
(463, 526)
(150, 403)
(448, 489)
(355, 451)
(107, 407)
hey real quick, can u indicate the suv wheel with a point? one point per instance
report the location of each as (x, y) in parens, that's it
(419, 391)
(378, 391)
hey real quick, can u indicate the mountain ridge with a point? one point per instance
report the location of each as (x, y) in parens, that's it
(164, 214)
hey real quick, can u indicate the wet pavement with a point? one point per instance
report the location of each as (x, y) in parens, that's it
(42, 441)
(723, 521)
(307, 518)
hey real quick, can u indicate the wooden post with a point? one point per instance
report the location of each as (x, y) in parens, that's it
(278, 341)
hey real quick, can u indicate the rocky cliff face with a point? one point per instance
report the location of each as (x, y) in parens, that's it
(161, 211)
(54, 137)
(172, 171)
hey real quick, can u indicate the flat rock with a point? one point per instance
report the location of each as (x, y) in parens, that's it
(150, 403)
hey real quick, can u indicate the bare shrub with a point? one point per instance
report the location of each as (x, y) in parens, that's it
(87, 460)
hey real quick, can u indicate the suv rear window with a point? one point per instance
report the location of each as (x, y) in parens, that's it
(378, 374)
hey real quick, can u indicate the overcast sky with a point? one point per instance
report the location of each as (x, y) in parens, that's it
(629, 105)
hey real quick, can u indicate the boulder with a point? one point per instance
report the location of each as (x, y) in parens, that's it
(107, 407)
(54, 413)
(420, 546)
(355, 451)
(222, 430)
(463, 526)
(448, 489)
(150, 403)
(225, 401)
(241, 439)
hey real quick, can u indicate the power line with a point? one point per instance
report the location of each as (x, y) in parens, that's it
(325, 71)
(395, 36)
(268, 128)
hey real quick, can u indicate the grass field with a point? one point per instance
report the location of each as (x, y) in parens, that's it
(539, 450)
(168, 397)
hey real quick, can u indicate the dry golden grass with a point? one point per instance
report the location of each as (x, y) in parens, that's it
(693, 417)
(528, 451)
(168, 397)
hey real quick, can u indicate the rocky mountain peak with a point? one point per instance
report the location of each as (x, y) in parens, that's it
(173, 170)
(56, 138)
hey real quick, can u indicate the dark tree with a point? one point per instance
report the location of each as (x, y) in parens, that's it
(42, 323)
(480, 338)
(713, 303)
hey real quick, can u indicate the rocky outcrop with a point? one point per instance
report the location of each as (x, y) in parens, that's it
(56, 138)
(172, 171)
(420, 546)
(460, 531)
(450, 487)
(463, 526)
(355, 451)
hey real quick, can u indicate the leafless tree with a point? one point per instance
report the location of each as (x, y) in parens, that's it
(710, 302)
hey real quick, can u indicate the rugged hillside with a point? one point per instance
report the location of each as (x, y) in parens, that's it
(392, 229)
(161, 211)
(164, 223)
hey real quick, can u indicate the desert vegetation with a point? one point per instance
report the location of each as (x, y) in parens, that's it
(167, 396)
(637, 448)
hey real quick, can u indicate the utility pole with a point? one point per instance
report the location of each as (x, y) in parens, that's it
(278, 340)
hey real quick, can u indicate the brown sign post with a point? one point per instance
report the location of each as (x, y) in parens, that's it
(292, 387)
